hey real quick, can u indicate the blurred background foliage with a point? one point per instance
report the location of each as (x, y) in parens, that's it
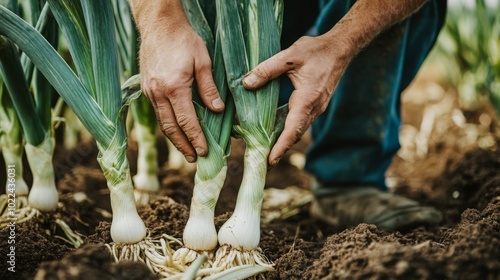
(469, 50)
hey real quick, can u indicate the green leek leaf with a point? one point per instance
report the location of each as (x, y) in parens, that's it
(58, 73)
(12, 72)
(69, 15)
(104, 55)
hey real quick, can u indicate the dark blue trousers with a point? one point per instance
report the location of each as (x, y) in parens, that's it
(355, 139)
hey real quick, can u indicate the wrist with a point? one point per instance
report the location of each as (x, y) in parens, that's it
(165, 15)
(366, 20)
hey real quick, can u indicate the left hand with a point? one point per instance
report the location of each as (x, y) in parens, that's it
(314, 65)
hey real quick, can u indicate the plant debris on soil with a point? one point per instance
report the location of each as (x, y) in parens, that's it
(454, 166)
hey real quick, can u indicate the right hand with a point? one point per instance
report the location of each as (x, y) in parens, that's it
(171, 60)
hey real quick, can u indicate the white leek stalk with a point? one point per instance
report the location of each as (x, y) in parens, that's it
(15, 187)
(12, 155)
(43, 195)
(199, 233)
(146, 180)
(242, 229)
(126, 227)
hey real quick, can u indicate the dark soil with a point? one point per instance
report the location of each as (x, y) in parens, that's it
(463, 181)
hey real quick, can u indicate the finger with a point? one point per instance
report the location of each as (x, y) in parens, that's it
(185, 116)
(268, 70)
(206, 86)
(165, 116)
(168, 125)
(296, 125)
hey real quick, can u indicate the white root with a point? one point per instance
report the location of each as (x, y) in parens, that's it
(20, 213)
(166, 263)
(71, 237)
(227, 257)
(156, 254)
(25, 213)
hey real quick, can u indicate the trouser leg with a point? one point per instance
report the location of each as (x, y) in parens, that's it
(354, 140)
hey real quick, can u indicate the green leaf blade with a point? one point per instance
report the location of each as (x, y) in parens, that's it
(69, 15)
(59, 74)
(22, 100)
(100, 26)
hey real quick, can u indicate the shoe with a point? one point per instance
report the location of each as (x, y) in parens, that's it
(349, 207)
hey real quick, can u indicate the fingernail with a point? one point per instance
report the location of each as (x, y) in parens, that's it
(218, 104)
(200, 151)
(250, 80)
(190, 158)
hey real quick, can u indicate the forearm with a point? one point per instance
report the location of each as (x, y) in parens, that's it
(367, 19)
(149, 14)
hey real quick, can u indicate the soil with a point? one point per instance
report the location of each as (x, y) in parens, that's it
(454, 167)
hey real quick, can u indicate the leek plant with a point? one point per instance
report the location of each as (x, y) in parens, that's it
(34, 113)
(94, 95)
(12, 148)
(12, 143)
(35, 116)
(146, 181)
(250, 32)
(200, 234)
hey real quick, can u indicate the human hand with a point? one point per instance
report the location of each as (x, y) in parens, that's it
(314, 65)
(171, 61)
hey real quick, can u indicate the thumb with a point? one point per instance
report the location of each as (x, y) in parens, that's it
(267, 70)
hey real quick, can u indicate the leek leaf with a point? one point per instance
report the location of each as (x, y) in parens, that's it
(104, 55)
(12, 72)
(58, 73)
(69, 15)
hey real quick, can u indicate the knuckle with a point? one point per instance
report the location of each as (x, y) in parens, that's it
(179, 98)
(264, 71)
(208, 88)
(316, 103)
(205, 65)
(153, 87)
(309, 107)
(299, 131)
(158, 88)
(184, 120)
(168, 128)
